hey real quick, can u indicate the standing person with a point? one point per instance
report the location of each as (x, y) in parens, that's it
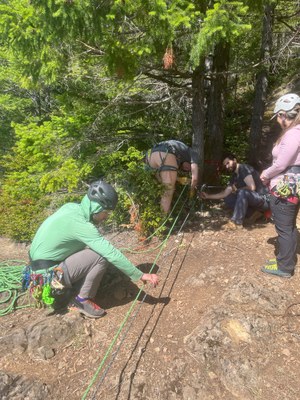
(244, 193)
(282, 178)
(166, 158)
(69, 240)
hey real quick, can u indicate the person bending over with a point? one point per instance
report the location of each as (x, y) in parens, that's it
(70, 241)
(167, 158)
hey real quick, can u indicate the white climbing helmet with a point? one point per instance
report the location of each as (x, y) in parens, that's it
(286, 102)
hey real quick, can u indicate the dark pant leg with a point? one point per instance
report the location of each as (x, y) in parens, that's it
(284, 215)
(85, 266)
(230, 201)
(245, 199)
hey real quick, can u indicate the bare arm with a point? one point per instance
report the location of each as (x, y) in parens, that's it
(250, 184)
(217, 196)
(194, 170)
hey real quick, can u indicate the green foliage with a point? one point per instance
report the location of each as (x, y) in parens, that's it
(45, 153)
(48, 36)
(139, 192)
(224, 23)
(44, 160)
(14, 102)
(20, 217)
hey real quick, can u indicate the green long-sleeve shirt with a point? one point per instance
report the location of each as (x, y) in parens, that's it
(69, 230)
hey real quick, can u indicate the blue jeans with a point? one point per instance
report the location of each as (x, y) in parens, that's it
(243, 203)
(284, 215)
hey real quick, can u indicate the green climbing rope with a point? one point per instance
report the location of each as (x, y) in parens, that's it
(130, 311)
(11, 285)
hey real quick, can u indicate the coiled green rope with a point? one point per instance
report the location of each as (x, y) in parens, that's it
(11, 285)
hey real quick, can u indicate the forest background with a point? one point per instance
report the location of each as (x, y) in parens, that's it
(87, 86)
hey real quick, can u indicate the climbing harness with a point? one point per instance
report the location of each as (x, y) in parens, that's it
(161, 148)
(288, 188)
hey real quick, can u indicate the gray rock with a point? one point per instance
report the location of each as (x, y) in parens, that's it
(42, 338)
(15, 342)
(48, 335)
(16, 387)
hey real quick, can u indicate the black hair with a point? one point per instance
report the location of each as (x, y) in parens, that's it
(229, 155)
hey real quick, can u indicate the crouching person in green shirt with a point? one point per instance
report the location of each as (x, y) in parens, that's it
(70, 241)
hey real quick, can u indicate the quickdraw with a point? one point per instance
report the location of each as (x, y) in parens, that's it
(38, 285)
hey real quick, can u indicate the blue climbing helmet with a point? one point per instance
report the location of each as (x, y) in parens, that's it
(104, 194)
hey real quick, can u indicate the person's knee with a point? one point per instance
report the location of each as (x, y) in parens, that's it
(169, 188)
(230, 201)
(242, 193)
(102, 263)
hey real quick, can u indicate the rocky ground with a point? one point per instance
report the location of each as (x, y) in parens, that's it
(215, 328)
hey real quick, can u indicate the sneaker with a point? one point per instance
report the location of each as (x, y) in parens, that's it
(88, 308)
(271, 261)
(232, 226)
(273, 270)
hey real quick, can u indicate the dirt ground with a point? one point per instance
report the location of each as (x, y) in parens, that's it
(215, 327)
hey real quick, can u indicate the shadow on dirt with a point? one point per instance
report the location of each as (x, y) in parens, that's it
(122, 291)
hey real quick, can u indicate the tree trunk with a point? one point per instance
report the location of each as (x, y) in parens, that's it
(215, 112)
(198, 114)
(261, 89)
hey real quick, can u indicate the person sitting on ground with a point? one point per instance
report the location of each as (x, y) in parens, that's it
(166, 158)
(70, 240)
(244, 193)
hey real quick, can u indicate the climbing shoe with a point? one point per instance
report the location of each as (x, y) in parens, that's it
(232, 226)
(273, 270)
(88, 308)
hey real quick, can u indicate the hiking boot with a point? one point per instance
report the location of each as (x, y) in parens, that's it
(88, 308)
(273, 270)
(255, 216)
(232, 226)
